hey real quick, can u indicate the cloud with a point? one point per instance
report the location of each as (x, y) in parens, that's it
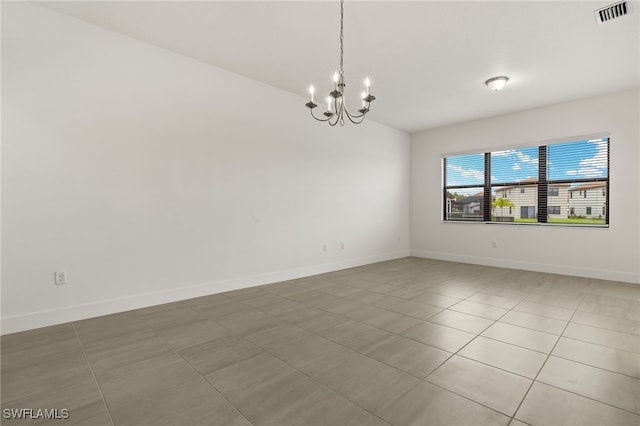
(571, 172)
(524, 158)
(516, 166)
(505, 153)
(596, 165)
(471, 173)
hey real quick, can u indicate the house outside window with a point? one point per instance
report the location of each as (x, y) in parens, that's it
(553, 192)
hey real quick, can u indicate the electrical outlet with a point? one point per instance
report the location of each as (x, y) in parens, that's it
(324, 247)
(342, 246)
(60, 278)
(494, 244)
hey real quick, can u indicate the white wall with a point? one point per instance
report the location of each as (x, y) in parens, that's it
(612, 253)
(150, 177)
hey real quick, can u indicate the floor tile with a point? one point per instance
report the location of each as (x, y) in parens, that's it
(310, 403)
(601, 385)
(535, 322)
(523, 337)
(124, 385)
(611, 311)
(445, 290)
(547, 405)
(170, 316)
(220, 310)
(515, 359)
(465, 322)
(257, 382)
(544, 310)
(440, 336)
(37, 338)
(191, 403)
(600, 336)
(47, 350)
(566, 302)
(368, 383)
(493, 300)
(486, 385)
(354, 335)
(277, 335)
(109, 327)
(407, 355)
(119, 352)
(610, 323)
(72, 369)
(320, 322)
(408, 307)
(214, 355)
(81, 398)
(434, 299)
(479, 309)
(615, 360)
(193, 333)
(381, 318)
(427, 404)
(248, 322)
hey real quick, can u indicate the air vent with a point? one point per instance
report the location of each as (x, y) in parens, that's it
(612, 11)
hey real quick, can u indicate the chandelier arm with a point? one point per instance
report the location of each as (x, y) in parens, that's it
(319, 119)
(354, 119)
(350, 115)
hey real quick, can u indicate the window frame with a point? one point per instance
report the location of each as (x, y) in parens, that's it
(542, 183)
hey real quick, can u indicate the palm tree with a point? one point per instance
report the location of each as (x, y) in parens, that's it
(502, 202)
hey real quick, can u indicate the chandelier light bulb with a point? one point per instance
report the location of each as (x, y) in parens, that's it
(312, 90)
(329, 103)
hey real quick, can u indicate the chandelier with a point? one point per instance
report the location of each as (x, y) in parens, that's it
(336, 101)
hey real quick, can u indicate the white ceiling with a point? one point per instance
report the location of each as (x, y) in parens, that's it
(428, 60)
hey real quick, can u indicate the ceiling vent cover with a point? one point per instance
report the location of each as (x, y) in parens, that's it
(612, 11)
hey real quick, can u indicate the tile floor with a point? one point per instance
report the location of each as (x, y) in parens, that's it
(405, 342)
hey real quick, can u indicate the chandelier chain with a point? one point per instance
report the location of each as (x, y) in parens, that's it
(341, 36)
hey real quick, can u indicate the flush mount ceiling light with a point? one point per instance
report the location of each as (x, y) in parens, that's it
(337, 98)
(496, 83)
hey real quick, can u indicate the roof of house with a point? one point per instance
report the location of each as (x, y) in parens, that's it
(529, 182)
(589, 185)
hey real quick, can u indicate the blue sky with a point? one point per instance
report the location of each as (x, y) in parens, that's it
(574, 160)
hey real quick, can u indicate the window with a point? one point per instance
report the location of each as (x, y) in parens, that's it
(588, 211)
(515, 185)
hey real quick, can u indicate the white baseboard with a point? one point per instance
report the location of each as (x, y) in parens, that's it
(46, 318)
(601, 274)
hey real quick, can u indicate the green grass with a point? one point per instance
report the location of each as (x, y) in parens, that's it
(573, 221)
(580, 221)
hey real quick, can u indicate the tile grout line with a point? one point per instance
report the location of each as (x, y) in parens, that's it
(175, 352)
(535, 379)
(93, 374)
(276, 357)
